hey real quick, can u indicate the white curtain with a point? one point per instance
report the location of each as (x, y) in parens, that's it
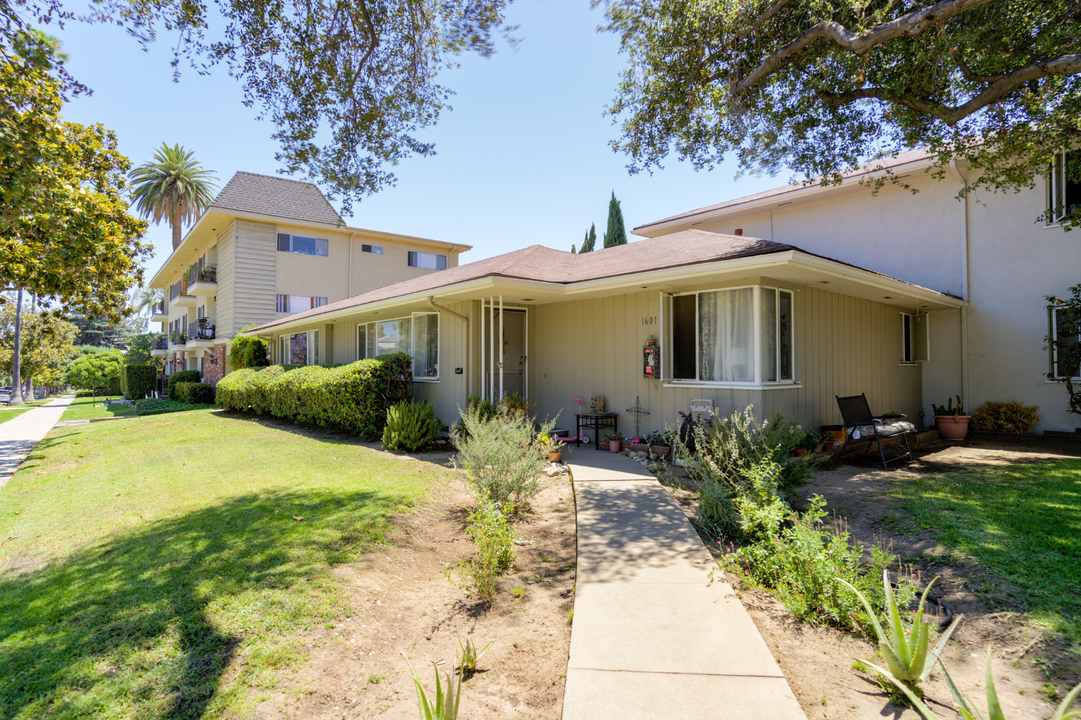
(769, 335)
(726, 335)
(426, 345)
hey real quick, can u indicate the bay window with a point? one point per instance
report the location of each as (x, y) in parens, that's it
(416, 335)
(731, 336)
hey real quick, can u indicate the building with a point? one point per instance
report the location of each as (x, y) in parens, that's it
(269, 247)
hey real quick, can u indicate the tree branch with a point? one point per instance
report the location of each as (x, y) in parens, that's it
(908, 25)
(1065, 65)
(968, 72)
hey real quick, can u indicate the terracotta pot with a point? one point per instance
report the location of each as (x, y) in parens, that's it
(801, 452)
(659, 451)
(603, 445)
(613, 445)
(556, 456)
(952, 427)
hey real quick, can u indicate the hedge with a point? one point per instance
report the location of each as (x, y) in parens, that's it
(353, 397)
(138, 381)
(158, 406)
(196, 393)
(248, 352)
(179, 377)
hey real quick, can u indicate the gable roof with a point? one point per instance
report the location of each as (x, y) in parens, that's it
(542, 264)
(875, 167)
(277, 197)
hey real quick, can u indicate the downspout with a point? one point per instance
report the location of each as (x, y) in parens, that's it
(468, 344)
(964, 281)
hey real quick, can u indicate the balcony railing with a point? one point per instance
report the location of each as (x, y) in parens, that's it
(208, 275)
(202, 329)
(180, 287)
(158, 308)
(159, 343)
(178, 338)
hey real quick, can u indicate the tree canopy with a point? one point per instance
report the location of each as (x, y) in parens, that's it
(46, 344)
(821, 87)
(65, 231)
(616, 234)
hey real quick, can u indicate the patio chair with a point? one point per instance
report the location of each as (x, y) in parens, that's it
(862, 427)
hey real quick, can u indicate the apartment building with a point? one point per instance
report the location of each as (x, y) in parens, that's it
(269, 247)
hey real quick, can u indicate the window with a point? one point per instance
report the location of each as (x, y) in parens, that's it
(373, 249)
(417, 335)
(428, 261)
(914, 338)
(906, 338)
(303, 245)
(739, 335)
(1061, 321)
(299, 349)
(1065, 186)
(299, 303)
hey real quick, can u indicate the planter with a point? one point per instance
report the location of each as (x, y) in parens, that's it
(835, 437)
(659, 451)
(952, 427)
(603, 445)
(614, 445)
(556, 456)
(801, 452)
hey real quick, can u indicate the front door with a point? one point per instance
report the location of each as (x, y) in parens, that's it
(514, 354)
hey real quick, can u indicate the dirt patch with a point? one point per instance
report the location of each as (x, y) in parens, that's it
(818, 661)
(400, 599)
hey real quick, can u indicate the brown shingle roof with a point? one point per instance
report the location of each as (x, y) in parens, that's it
(278, 197)
(539, 263)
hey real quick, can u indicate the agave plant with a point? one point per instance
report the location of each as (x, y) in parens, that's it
(967, 710)
(444, 707)
(905, 653)
(470, 656)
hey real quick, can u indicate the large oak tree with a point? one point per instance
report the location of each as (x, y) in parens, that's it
(821, 86)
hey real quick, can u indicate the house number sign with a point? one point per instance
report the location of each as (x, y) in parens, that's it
(649, 320)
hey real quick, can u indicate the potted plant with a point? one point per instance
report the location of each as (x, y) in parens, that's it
(614, 441)
(952, 423)
(552, 446)
(810, 442)
(659, 445)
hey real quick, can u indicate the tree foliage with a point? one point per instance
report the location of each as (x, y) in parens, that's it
(617, 232)
(590, 241)
(46, 344)
(138, 353)
(174, 187)
(96, 371)
(65, 230)
(821, 87)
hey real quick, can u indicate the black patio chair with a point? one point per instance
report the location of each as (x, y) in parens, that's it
(862, 427)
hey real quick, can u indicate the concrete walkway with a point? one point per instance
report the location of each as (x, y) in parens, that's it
(652, 637)
(19, 435)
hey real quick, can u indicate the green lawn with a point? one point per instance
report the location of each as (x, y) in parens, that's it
(169, 568)
(1022, 522)
(84, 408)
(11, 413)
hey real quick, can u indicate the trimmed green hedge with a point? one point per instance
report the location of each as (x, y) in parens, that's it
(195, 392)
(352, 397)
(138, 381)
(159, 406)
(180, 377)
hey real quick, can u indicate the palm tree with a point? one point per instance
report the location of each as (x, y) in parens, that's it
(172, 186)
(144, 298)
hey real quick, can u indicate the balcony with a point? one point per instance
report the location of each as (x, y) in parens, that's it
(159, 311)
(178, 341)
(200, 334)
(159, 345)
(179, 295)
(203, 283)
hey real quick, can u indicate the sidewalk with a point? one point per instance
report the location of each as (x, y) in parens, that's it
(652, 637)
(19, 435)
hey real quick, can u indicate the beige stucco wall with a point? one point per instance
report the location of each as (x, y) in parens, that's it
(995, 350)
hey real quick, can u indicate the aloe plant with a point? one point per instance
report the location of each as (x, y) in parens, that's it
(444, 707)
(967, 710)
(905, 652)
(470, 656)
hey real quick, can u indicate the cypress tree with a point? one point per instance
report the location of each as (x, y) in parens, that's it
(617, 233)
(572, 249)
(590, 241)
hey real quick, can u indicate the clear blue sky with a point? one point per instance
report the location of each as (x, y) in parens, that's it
(522, 159)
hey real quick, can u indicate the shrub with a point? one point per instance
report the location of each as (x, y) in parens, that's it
(411, 426)
(138, 381)
(158, 406)
(494, 538)
(500, 457)
(1007, 417)
(248, 352)
(802, 565)
(184, 376)
(195, 393)
(353, 397)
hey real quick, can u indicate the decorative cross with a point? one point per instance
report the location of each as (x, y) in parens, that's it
(638, 411)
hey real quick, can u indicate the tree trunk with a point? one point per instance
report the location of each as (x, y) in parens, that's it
(16, 359)
(174, 220)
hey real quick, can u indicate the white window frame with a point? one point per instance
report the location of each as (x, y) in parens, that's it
(410, 255)
(315, 301)
(1053, 347)
(756, 384)
(320, 244)
(362, 354)
(1057, 184)
(372, 249)
(312, 352)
